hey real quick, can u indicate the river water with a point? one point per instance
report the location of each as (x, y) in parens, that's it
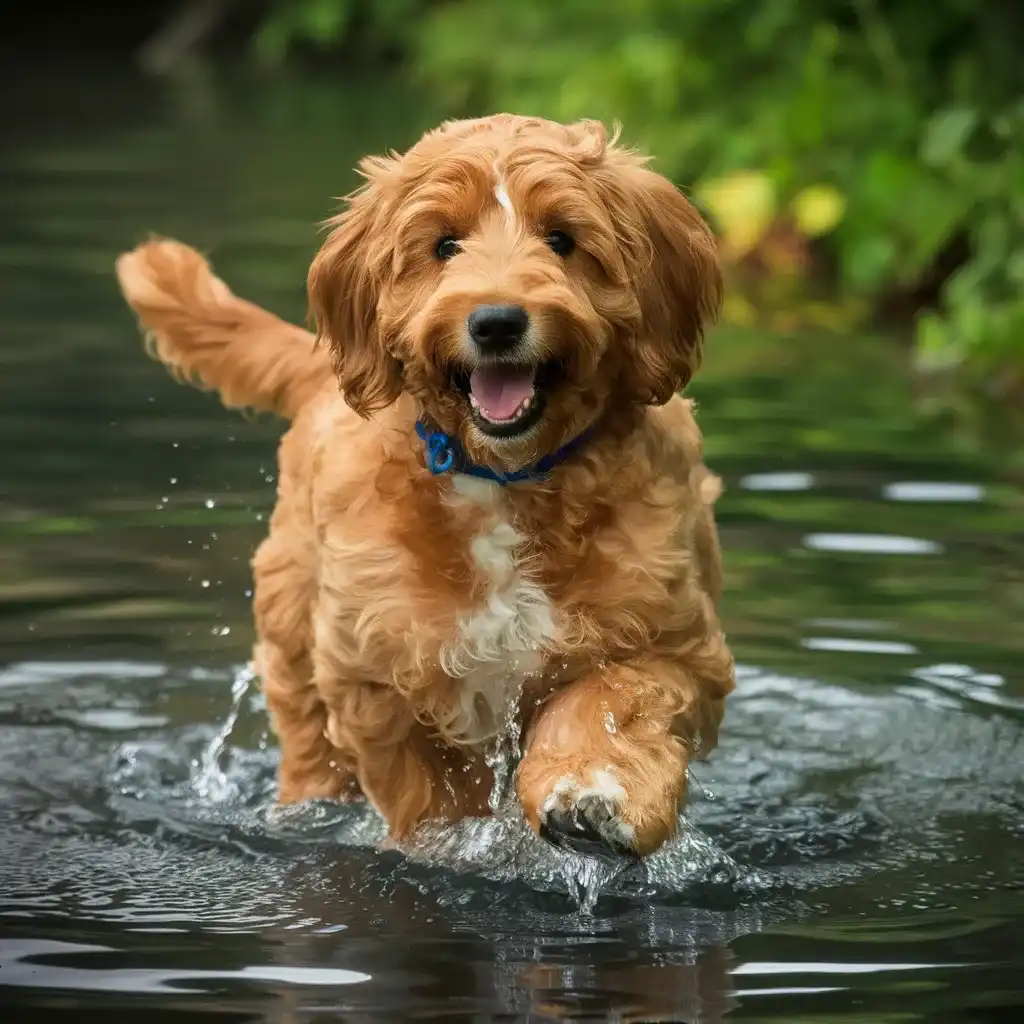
(853, 850)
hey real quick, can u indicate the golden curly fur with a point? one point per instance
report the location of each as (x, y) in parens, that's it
(400, 613)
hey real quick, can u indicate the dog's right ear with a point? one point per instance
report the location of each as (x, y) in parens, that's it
(344, 286)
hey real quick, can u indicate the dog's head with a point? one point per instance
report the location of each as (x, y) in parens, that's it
(518, 277)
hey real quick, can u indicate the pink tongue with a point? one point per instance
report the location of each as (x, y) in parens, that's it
(500, 390)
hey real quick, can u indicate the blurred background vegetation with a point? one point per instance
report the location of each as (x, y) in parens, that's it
(129, 505)
(862, 160)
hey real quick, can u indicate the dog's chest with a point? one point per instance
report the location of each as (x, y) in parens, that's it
(502, 638)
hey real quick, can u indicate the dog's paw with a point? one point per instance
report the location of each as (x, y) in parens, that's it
(587, 817)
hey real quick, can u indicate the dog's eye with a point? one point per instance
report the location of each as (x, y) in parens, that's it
(447, 247)
(561, 243)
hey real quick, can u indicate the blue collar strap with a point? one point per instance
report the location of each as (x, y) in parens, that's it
(445, 455)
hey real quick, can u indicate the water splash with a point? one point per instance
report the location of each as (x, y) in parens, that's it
(211, 781)
(587, 877)
(504, 849)
(505, 750)
(229, 794)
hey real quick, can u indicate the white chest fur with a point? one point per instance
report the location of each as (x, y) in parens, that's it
(503, 639)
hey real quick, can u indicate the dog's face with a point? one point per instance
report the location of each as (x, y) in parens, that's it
(519, 278)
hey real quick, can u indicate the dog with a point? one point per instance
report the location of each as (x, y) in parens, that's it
(493, 516)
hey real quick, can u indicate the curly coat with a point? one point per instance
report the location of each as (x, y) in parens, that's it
(405, 619)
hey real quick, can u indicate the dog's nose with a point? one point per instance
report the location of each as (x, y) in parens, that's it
(496, 329)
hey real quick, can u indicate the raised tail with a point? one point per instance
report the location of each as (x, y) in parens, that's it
(207, 335)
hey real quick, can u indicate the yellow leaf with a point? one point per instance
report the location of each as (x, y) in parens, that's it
(818, 209)
(743, 207)
(736, 310)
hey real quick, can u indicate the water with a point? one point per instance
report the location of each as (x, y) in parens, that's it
(853, 851)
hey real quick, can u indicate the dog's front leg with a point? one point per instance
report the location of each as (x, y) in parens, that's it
(606, 761)
(409, 774)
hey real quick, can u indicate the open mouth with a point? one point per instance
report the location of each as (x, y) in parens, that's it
(506, 399)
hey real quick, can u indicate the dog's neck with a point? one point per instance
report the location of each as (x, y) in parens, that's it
(444, 454)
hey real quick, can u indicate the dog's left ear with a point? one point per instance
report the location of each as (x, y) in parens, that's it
(677, 278)
(344, 286)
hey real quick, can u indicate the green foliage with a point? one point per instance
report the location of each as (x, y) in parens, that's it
(909, 111)
(322, 22)
(364, 28)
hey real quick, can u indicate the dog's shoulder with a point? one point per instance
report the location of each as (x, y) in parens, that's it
(674, 439)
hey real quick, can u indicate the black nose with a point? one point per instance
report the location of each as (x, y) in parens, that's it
(497, 328)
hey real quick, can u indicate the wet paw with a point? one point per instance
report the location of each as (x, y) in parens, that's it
(588, 818)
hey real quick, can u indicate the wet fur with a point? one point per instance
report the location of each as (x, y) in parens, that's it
(399, 613)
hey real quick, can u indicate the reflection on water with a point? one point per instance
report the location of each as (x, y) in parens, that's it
(853, 849)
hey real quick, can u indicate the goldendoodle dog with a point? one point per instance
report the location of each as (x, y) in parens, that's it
(492, 509)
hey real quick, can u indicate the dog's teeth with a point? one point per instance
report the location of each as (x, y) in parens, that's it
(524, 407)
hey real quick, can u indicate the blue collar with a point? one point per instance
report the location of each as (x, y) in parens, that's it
(445, 454)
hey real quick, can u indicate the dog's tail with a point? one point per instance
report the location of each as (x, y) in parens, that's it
(207, 335)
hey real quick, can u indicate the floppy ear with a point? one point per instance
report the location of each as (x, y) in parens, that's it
(678, 283)
(344, 286)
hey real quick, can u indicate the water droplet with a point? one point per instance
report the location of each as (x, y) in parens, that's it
(205, 584)
(210, 503)
(174, 479)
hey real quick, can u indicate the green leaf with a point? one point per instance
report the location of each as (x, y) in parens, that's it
(325, 21)
(868, 261)
(935, 348)
(946, 134)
